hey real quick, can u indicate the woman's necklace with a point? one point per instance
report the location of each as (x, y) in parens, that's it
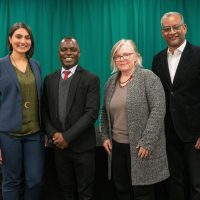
(19, 68)
(124, 83)
(27, 103)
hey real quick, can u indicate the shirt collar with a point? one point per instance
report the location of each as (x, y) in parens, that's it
(72, 70)
(178, 50)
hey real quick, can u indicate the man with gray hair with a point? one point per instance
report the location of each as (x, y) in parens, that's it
(178, 67)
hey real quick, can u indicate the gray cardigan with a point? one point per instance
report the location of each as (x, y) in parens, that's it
(146, 111)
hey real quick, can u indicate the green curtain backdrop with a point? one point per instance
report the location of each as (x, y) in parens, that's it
(97, 25)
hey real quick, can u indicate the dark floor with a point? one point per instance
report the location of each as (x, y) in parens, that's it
(103, 187)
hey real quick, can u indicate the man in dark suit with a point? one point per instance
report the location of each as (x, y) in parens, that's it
(71, 102)
(178, 67)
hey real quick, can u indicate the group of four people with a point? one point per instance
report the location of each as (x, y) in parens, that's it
(140, 146)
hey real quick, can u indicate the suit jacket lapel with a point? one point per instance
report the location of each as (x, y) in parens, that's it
(36, 73)
(73, 87)
(55, 89)
(183, 64)
(165, 68)
(11, 71)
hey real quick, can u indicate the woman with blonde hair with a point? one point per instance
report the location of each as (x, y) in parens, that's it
(132, 125)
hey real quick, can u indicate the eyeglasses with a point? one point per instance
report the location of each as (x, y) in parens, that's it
(125, 56)
(175, 28)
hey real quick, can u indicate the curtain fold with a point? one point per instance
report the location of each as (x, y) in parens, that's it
(97, 25)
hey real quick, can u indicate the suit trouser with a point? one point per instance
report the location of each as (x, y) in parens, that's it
(76, 174)
(23, 161)
(184, 166)
(121, 176)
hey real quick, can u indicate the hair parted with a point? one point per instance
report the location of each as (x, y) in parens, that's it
(117, 46)
(17, 26)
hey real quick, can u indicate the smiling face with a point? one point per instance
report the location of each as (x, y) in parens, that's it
(20, 41)
(69, 52)
(173, 31)
(125, 58)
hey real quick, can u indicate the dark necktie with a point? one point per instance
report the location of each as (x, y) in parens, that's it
(66, 74)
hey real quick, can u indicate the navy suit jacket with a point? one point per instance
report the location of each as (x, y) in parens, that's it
(10, 94)
(183, 95)
(81, 111)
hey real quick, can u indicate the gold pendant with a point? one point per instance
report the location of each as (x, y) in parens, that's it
(27, 104)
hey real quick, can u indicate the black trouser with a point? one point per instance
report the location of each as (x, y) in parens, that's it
(184, 166)
(76, 174)
(121, 176)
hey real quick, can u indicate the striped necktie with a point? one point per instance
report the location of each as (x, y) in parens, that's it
(66, 74)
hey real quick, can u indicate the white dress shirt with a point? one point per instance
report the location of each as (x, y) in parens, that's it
(173, 60)
(72, 70)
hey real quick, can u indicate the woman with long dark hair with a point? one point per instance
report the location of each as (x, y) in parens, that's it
(21, 139)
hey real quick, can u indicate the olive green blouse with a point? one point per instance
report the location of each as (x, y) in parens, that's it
(30, 122)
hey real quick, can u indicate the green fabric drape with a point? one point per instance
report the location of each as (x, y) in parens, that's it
(97, 25)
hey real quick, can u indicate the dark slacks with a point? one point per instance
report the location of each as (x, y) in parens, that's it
(76, 174)
(23, 161)
(184, 166)
(121, 176)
